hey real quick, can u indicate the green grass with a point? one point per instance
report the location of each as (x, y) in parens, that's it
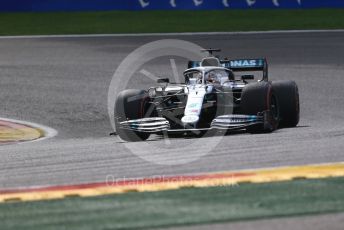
(168, 21)
(181, 207)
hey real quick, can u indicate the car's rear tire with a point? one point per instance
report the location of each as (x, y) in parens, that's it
(257, 98)
(288, 97)
(130, 105)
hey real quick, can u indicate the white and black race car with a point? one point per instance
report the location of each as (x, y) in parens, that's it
(216, 95)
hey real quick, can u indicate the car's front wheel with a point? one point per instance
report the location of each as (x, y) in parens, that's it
(130, 105)
(257, 98)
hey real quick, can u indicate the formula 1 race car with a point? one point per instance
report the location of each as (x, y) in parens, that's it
(216, 95)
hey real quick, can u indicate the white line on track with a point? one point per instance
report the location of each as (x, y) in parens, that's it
(174, 34)
(48, 132)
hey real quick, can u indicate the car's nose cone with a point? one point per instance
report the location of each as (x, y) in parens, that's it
(190, 119)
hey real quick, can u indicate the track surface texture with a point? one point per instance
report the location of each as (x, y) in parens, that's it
(63, 83)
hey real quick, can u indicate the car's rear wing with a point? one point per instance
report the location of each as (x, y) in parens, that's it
(247, 65)
(259, 64)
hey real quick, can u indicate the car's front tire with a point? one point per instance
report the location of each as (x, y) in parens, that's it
(257, 98)
(130, 105)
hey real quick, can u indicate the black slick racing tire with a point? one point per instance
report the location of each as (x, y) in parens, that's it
(130, 105)
(257, 98)
(287, 93)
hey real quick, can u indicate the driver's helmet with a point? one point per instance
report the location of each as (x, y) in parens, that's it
(212, 78)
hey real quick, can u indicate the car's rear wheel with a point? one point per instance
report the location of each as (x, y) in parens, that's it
(130, 105)
(288, 97)
(257, 98)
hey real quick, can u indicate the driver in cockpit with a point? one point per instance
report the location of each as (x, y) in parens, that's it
(212, 78)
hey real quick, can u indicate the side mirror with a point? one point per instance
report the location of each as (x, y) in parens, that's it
(247, 77)
(163, 80)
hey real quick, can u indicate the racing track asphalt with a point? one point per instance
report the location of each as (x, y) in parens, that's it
(63, 83)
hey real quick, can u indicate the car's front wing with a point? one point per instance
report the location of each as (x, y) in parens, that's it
(223, 122)
(149, 125)
(235, 121)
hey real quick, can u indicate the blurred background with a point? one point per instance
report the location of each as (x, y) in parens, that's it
(19, 17)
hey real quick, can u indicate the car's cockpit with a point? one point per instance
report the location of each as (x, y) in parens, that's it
(207, 75)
